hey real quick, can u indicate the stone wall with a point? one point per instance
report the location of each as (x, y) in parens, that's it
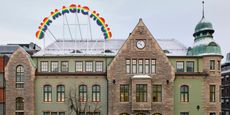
(20, 57)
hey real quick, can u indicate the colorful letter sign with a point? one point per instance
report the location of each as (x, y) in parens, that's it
(73, 8)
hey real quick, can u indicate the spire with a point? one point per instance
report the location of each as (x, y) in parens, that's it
(203, 9)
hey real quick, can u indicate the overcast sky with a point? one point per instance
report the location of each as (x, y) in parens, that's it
(166, 19)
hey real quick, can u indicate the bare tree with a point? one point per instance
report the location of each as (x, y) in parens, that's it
(78, 107)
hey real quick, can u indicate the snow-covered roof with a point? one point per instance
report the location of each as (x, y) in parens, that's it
(141, 77)
(103, 48)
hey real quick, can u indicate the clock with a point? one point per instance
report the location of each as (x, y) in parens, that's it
(140, 44)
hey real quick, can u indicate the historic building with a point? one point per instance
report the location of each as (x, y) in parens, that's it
(5, 53)
(225, 80)
(139, 75)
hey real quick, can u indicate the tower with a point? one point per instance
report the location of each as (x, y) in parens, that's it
(204, 44)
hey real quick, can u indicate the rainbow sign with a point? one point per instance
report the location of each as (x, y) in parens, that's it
(73, 8)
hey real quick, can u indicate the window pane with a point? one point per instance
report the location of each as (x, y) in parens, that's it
(141, 93)
(64, 66)
(180, 66)
(147, 66)
(47, 93)
(54, 66)
(190, 66)
(83, 93)
(212, 64)
(44, 66)
(184, 113)
(128, 66)
(89, 66)
(212, 93)
(153, 66)
(124, 93)
(140, 66)
(184, 93)
(134, 66)
(96, 93)
(61, 113)
(79, 66)
(61, 93)
(99, 66)
(19, 76)
(46, 113)
(157, 93)
(53, 113)
(19, 103)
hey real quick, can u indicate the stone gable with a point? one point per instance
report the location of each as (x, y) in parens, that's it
(117, 75)
(20, 57)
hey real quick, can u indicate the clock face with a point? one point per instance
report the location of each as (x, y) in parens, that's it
(140, 44)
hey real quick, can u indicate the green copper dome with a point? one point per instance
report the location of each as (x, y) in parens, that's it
(204, 25)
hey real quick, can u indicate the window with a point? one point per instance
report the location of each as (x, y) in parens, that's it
(46, 113)
(213, 113)
(127, 67)
(184, 113)
(153, 65)
(212, 64)
(147, 66)
(124, 92)
(180, 66)
(53, 113)
(96, 92)
(64, 66)
(20, 76)
(184, 93)
(140, 66)
(89, 66)
(47, 93)
(157, 93)
(44, 66)
(54, 66)
(134, 66)
(82, 93)
(61, 113)
(19, 113)
(79, 66)
(141, 92)
(60, 93)
(99, 66)
(190, 66)
(212, 93)
(219, 65)
(19, 103)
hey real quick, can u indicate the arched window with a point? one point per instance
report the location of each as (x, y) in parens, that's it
(47, 93)
(20, 76)
(60, 93)
(96, 93)
(19, 103)
(82, 93)
(184, 93)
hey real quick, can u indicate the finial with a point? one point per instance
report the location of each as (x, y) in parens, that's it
(203, 9)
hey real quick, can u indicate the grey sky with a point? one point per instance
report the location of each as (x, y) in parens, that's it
(19, 19)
